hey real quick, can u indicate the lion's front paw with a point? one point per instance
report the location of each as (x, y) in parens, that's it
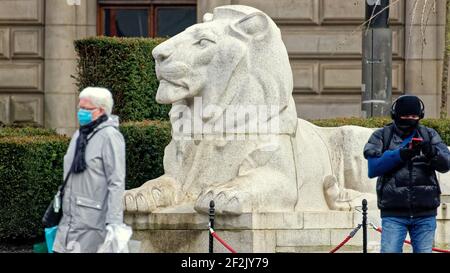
(150, 196)
(226, 202)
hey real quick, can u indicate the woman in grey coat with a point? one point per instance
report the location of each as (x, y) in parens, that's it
(96, 160)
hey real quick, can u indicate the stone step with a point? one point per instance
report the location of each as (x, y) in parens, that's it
(327, 249)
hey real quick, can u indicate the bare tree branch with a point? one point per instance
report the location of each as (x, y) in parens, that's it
(444, 83)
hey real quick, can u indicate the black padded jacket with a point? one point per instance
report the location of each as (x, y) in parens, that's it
(411, 189)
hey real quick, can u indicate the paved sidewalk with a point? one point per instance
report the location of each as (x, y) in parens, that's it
(13, 248)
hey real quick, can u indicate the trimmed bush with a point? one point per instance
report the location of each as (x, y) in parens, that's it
(31, 169)
(126, 67)
(28, 131)
(368, 123)
(442, 126)
(30, 173)
(145, 143)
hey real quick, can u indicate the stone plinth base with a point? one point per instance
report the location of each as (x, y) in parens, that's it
(187, 231)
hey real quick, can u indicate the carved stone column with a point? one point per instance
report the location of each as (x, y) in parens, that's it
(64, 24)
(424, 50)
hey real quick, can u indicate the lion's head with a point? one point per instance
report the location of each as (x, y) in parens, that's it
(235, 57)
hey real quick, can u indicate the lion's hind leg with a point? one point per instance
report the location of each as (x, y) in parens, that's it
(344, 199)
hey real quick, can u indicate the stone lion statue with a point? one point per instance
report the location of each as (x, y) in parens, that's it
(236, 62)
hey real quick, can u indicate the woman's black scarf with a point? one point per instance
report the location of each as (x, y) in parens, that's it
(79, 161)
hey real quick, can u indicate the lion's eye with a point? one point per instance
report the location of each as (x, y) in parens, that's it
(204, 42)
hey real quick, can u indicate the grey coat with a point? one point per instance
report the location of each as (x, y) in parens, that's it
(93, 198)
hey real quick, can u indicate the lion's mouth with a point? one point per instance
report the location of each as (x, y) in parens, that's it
(170, 92)
(172, 83)
(174, 74)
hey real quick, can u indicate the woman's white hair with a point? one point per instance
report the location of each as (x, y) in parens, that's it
(100, 97)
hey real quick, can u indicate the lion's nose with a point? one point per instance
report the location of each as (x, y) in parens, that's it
(161, 52)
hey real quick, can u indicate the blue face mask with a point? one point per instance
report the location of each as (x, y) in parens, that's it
(84, 117)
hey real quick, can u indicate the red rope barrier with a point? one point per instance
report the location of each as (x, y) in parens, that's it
(435, 249)
(341, 244)
(346, 239)
(213, 233)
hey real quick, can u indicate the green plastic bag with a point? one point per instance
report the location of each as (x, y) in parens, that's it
(40, 248)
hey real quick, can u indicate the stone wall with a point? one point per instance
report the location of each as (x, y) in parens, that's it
(22, 61)
(424, 54)
(37, 59)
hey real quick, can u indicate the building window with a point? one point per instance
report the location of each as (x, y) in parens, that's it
(139, 19)
(126, 22)
(173, 20)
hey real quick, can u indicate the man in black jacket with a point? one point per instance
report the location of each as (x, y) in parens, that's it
(405, 155)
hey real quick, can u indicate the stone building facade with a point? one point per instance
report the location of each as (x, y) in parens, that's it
(37, 59)
(323, 39)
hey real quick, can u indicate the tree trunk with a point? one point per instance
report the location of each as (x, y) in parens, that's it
(444, 84)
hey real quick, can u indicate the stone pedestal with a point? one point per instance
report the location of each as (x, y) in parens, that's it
(299, 232)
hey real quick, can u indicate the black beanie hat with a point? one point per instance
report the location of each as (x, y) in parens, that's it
(407, 105)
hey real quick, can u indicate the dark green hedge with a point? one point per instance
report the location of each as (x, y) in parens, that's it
(31, 170)
(442, 126)
(11, 132)
(145, 143)
(369, 123)
(126, 67)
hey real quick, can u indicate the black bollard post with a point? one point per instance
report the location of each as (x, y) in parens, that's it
(211, 224)
(364, 224)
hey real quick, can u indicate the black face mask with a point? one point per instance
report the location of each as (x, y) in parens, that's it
(406, 125)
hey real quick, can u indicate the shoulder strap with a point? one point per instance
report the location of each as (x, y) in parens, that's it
(94, 133)
(61, 189)
(388, 132)
(424, 133)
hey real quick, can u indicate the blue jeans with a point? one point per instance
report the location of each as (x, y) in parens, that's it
(421, 231)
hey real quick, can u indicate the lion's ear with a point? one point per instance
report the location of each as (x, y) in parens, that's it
(208, 17)
(255, 25)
